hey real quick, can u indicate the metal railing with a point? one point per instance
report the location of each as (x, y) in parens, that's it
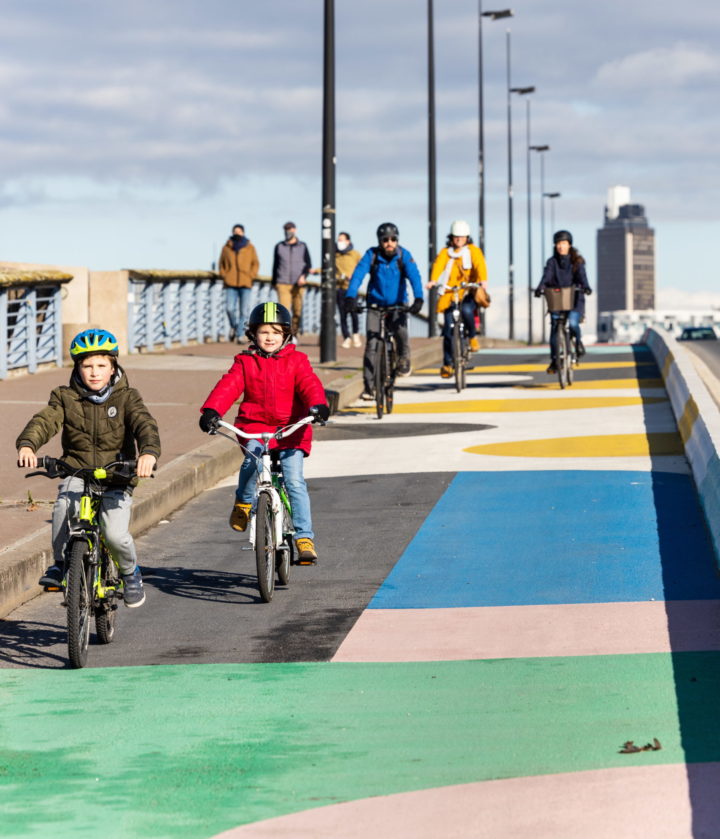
(30, 319)
(169, 308)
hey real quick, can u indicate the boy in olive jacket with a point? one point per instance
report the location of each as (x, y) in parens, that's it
(102, 419)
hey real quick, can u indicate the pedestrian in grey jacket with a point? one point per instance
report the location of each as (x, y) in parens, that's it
(291, 265)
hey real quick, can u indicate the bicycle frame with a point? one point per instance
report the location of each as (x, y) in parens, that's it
(269, 481)
(386, 357)
(90, 582)
(460, 348)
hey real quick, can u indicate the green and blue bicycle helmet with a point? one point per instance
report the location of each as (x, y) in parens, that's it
(93, 342)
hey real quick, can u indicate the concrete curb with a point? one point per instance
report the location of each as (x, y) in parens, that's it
(698, 420)
(22, 563)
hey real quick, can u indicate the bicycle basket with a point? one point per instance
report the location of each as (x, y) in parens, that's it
(560, 299)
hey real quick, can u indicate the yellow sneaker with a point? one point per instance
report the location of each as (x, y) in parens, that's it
(307, 555)
(474, 345)
(446, 371)
(239, 516)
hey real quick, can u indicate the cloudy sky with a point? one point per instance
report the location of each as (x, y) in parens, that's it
(136, 134)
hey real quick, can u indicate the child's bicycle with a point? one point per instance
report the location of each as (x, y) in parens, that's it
(271, 528)
(91, 584)
(386, 358)
(460, 344)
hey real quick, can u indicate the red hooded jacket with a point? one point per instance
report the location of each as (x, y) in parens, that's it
(276, 390)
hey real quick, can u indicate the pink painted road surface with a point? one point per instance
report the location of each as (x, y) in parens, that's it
(530, 631)
(634, 803)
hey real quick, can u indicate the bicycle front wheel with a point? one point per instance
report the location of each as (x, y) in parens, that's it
(570, 359)
(265, 546)
(78, 601)
(380, 379)
(284, 554)
(458, 361)
(390, 379)
(107, 608)
(561, 359)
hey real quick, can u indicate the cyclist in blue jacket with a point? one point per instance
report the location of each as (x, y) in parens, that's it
(390, 268)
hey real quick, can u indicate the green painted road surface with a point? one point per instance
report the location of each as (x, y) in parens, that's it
(191, 751)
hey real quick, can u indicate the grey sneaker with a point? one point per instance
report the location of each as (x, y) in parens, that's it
(133, 591)
(52, 578)
(366, 396)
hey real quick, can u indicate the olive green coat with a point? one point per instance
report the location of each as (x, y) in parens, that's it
(94, 435)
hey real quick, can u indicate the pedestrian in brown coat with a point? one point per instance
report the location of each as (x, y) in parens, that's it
(238, 268)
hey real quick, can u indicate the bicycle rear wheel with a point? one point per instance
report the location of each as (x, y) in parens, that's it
(380, 379)
(561, 358)
(265, 547)
(78, 600)
(107, 608)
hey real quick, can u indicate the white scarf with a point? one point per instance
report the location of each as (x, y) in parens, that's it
(464, 254)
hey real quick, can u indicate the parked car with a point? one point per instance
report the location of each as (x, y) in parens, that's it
(698, 333)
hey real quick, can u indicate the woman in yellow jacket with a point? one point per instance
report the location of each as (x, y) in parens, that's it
(460, 261)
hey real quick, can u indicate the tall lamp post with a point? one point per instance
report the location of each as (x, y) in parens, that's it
(552, 195)
(542, 229)
(493, 15)
(432, 195)
(327, 288)
(529, 223)
(522, 91)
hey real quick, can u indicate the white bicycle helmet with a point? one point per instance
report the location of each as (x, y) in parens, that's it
(460, 228)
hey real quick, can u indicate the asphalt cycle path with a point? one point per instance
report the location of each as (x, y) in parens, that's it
(514, 582)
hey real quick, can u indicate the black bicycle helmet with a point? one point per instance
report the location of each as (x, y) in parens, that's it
(269, 312)
(387, 230)
(562, 236)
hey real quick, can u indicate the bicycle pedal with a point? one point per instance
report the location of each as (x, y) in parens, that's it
(52, 588)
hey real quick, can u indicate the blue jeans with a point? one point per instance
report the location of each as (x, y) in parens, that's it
(237, 303)
(573, 323)
(291, 462)
(343, 315)
(114, 522)
(468, 308)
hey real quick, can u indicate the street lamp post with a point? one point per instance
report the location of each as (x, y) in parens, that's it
(522, 91)
(432, 196)
(493, 15)
(496, 14)
(529, 222)
(327, 288)
(552, 195)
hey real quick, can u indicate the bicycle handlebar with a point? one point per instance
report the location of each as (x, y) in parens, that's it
(278, 434)
(397, 307)
(56, 468)
(458, 286)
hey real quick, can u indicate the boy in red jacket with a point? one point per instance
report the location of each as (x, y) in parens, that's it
(278, 387)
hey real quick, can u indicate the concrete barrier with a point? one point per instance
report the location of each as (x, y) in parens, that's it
(698, 420)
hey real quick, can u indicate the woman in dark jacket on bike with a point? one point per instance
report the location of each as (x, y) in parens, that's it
(564, 269)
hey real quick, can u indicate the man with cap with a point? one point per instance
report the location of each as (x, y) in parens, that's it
(291, 265)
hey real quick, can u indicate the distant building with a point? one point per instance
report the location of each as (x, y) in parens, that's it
(625, 256)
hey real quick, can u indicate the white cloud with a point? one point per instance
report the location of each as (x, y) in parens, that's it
(679, 65)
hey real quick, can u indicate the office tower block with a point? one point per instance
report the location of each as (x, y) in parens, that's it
(625, 256)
